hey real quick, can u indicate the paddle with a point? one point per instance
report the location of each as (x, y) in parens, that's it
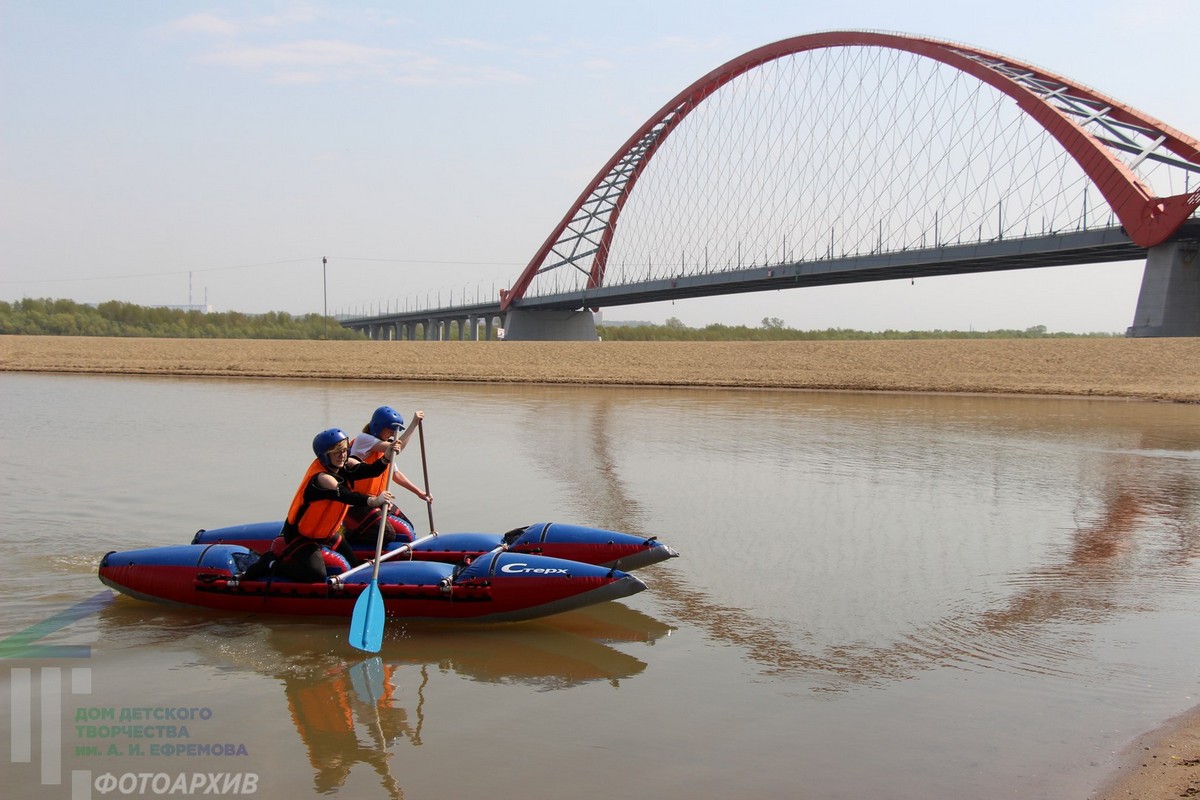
(425, 470)
(340, 578)
(366, 623)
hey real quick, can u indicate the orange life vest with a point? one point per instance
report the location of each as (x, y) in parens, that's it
(375, 485)
(316, 519)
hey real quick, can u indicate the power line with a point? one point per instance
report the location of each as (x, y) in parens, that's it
(157, 274)
(312, 259)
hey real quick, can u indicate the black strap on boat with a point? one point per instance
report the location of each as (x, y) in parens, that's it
(491, 569)
(514, 534)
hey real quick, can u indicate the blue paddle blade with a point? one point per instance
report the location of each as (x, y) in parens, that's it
(366, 623)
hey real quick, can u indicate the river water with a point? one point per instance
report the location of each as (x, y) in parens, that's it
(893, 596)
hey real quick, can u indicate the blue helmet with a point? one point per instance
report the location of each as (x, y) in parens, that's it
(325, 441)
(385, 418)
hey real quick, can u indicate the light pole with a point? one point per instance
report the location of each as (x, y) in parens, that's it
(325, 290)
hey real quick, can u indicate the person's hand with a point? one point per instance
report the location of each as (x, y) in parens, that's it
(380, 500)
(428, 498)
(394, 446)
(420, 415)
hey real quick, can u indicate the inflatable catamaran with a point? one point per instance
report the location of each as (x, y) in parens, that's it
(454, 576)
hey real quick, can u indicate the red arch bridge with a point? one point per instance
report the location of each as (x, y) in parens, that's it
(843, 157)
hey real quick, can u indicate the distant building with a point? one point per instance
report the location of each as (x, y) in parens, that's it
(203, 309)
(623, 322)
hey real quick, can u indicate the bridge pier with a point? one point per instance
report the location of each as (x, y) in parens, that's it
(549, 326)
(1169, 302)
(475, 322)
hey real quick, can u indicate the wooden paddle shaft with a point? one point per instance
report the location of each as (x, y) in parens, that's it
(425, 470)
(390, 554)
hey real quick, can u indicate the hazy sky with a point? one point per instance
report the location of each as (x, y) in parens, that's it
(161, 152)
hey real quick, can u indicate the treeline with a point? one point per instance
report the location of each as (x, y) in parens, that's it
(40, 317)
(35, 317)
(773, 329)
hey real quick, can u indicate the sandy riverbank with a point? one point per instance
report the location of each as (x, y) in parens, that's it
(1163, 764)
(1146, 369)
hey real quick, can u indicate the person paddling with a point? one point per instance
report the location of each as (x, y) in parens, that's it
(362, 524)
(314, 520)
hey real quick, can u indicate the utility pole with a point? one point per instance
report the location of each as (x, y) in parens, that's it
(325, 285)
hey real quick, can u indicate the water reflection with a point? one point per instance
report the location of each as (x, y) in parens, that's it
(1137, 525)
(583, 457)
(545, 658)
(1111, 564)
(351, 710)
(329, 709)
(1143, 531)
